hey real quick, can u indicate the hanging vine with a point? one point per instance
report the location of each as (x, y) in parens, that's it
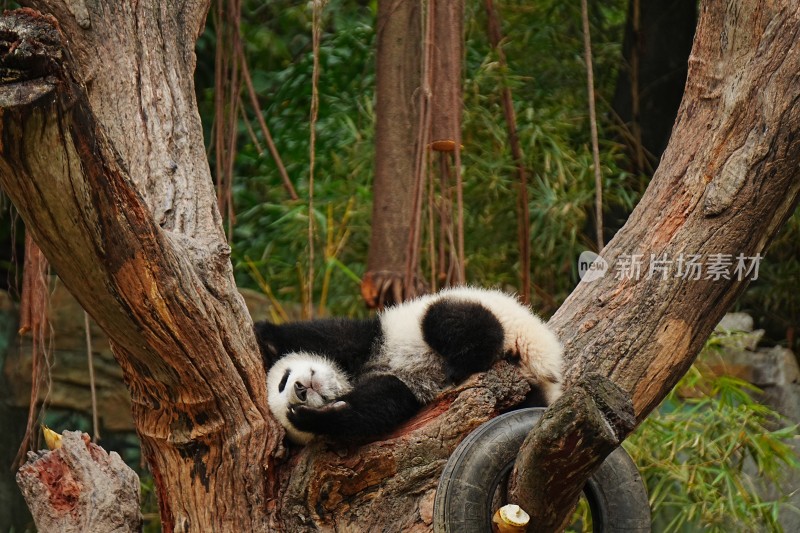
(265, 131)
(316, 32)
(446, 58)
(598, 178)
(227, 84)
(420, 161)
(523, 214)
(92, 387)
(231, 74)
(34, 321)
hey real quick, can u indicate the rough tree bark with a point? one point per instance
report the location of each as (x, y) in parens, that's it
(78, 487)
(728, 180)
(102, 154)
(571, 441)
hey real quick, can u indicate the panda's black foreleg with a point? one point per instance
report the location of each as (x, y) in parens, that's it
(466, 334)
(376, 405)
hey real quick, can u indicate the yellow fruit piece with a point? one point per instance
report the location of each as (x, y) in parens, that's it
(51, 438)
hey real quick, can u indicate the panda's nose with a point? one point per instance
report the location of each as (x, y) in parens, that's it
(300, 391)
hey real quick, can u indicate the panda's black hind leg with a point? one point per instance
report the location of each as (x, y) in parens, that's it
(466, 334)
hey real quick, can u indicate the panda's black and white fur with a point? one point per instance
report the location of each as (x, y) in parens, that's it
(358, 378)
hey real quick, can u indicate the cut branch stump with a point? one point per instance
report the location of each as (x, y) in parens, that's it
(80, 487)
(566, 446)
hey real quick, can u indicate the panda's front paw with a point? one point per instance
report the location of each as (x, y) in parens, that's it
(320, 420)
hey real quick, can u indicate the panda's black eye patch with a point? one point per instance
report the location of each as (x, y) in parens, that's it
(284, 379)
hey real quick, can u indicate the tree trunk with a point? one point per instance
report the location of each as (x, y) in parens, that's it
(398, 81)
(727, 182)
(102, 154)
(448, 53)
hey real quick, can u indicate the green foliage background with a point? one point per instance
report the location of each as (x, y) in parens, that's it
(547, 76)
(711, 452)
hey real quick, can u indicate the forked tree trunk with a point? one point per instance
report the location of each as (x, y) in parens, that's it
(102, 154)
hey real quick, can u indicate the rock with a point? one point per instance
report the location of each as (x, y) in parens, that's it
(736, 322)
(776, 372)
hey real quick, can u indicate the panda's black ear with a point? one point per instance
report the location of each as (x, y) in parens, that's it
(267, 338)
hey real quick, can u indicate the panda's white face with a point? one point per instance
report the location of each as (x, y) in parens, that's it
(303, 378)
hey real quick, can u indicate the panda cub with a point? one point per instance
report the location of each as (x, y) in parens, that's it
(350, 378)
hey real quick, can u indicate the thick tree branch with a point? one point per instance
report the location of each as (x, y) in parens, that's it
(167, 300)
(727, 182)
(398, 79)
(565, 447)
(391, 483)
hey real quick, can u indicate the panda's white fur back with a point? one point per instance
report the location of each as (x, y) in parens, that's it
(525, 336)
(404, 352)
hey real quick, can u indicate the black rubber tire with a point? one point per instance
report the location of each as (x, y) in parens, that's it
(616, 493)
